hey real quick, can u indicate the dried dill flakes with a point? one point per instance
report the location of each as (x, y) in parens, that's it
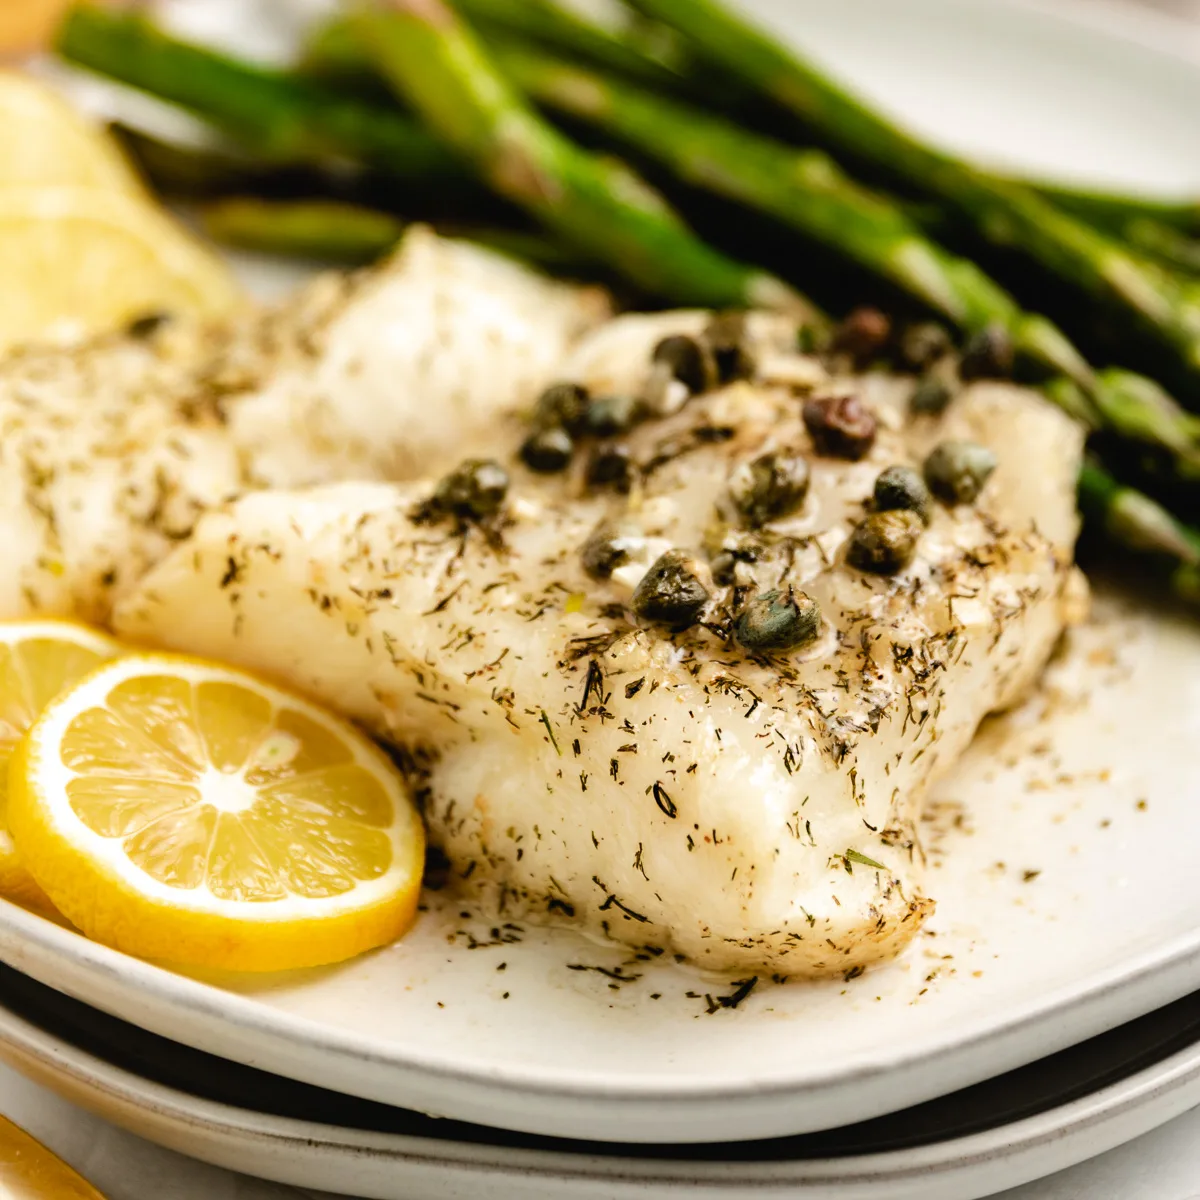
(550, 731)
(663, 799)
(853, 856)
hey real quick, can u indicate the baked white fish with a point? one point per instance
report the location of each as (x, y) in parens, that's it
(679, 784)
(109, 451)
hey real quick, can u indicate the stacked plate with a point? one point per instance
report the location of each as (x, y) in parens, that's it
(1010, 1042)
(974, 1142)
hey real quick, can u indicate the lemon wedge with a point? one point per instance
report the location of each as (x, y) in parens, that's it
(28, 1171)
(44, 141)
(79, 260)
(38, 659)
(186, 811)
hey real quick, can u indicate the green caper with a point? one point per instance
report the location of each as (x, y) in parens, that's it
(884, 542)
(957, 471)
(770, 487)
(608, 416)
(474, 490)
(688, 360)
(562, 404)
(606, 549)
(931, 397)
(988, 354)
(671, 592)
(728, 338)
(547, 450)
(611, 467)
(923, 344)
(777, 620)
(902, 487)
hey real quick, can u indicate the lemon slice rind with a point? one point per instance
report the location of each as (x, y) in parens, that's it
(16, 883)
(94, 883)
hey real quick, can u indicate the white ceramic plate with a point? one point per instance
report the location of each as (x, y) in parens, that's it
(1064, 845)
(1008, 1131)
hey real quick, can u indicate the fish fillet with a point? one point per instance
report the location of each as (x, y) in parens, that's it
(108, 452)
(665, 788)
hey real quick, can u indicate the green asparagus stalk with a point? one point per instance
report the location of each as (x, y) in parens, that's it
(1173, 249)
(353, 234)
(634, 52)
(328, 230)
(805, 189)
(1114, 211)
(1005, 213)
(278, 116)
(1136, 523)
(436, 63)
(334, 51)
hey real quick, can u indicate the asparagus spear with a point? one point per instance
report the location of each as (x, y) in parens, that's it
(1136, 523)
(1173, 249)
(334, 50)
(322, 229)
(353, 234)
(1005, 213)
(804, 188)
(1114, 211)
(436, 63)
(278, 116)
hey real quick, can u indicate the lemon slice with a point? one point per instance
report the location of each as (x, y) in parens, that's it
(80, 260)
(28, 1171)
(43, 140)
(186, 811)
(38, 659)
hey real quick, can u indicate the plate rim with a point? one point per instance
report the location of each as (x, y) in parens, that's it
(1167, 1089)
(224, 1023)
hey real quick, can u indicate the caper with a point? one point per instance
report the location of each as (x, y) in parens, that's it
(840, 426)
(607, 416)
(902, 488)
(770, 487)
(562, 404)
(688, 360)
(547, 450)
(931, 397)
(884, 542)
(862, 335)
(988, 354)
(671, 592)
(611, 467)
(923, 344)
(777, 620)
(957, 471)
(728, 338)
(474, 490)
(606, 549)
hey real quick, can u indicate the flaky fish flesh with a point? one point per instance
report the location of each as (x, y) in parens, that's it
(732, 766)
(109, 451)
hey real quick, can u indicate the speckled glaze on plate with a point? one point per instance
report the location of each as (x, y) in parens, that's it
(1007, 1131)
(1062, 847)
